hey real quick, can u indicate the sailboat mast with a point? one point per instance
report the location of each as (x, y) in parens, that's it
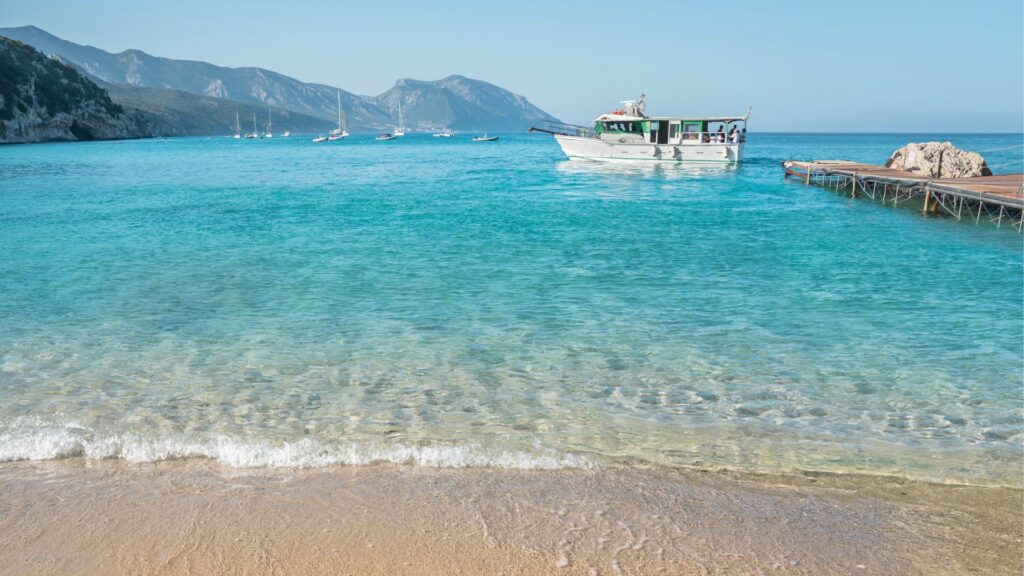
(238, 126)
(339, 110)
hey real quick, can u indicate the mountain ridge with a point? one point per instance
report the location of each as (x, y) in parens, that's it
(455, 102)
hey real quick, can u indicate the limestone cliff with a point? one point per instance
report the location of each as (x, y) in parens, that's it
(42, 99)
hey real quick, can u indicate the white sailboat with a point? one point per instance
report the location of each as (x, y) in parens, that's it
(255, 133)
(400, 129)
(340, 132)
(238, 126)
(270, 132)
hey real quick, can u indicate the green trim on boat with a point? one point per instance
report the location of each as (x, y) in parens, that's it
(652, 159)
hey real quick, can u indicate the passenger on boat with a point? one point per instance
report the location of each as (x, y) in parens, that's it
(734, 134)
(720, 135)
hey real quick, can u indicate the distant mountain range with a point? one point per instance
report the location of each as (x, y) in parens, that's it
(161, 85)
(178, 113)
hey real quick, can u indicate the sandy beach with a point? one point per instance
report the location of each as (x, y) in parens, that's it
(199, 517)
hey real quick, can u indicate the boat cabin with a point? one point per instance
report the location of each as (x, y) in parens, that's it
(622, 128)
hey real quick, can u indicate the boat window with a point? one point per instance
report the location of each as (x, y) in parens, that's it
(691, 130)
(673, 130)
(621, 127)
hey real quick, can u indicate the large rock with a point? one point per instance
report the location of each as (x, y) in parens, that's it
(938, 160)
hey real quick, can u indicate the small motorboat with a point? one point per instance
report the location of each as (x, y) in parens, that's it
(286, 134)
(321, 139)
(386, 136)
(446, 133)
(485, 138)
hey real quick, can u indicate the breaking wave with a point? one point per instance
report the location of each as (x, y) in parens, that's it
(60, 442)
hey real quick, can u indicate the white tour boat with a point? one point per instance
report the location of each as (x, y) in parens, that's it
(628, 134)
(446, 133)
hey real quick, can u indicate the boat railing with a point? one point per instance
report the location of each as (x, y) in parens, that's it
(710, 138)
(563, 129)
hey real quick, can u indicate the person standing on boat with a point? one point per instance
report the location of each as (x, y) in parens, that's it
(734, 134)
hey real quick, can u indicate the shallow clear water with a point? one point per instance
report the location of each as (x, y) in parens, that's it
(449, 303)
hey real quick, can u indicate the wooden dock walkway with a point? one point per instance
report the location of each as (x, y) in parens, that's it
(998, 198)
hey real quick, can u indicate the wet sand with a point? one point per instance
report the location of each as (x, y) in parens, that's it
(199, 517)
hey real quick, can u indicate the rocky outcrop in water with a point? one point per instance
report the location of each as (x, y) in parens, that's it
(938, 160)
(42, 99)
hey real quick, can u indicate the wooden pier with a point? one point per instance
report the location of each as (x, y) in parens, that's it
(996, 198)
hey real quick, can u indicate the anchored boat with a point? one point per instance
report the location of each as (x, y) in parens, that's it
(341, 131)
(400, 129)
(627, 134)
(255, 133)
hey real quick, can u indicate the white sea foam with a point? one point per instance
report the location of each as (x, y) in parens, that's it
(58, 442)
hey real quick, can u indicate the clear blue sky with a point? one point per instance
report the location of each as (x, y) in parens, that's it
(892, 66)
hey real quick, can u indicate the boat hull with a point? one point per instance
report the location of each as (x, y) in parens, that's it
(582, 148)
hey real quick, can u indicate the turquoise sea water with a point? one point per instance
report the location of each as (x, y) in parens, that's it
(447, 303)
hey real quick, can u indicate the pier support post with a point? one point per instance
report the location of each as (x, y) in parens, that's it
(927, 198)
(853, 192)
(807, 179)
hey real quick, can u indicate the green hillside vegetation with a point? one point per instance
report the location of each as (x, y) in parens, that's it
(28, 80)
(44, 99)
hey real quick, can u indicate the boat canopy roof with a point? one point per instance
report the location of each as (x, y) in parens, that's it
(700, 118)
(627, 118)
(619, 118)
